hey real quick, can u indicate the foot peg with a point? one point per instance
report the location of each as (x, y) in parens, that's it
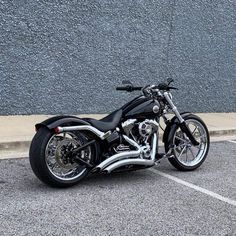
(160, 156)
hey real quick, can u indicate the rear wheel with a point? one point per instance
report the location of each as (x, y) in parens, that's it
(49, 159)
(187, 156)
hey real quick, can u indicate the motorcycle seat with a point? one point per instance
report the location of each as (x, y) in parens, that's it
(107, 123)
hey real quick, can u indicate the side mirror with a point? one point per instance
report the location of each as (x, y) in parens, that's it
(127, 82)
(169, 81)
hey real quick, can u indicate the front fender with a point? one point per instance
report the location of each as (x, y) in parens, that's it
(170, 125)
(55, 121)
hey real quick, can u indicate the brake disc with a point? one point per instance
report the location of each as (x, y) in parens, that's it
(62, 149)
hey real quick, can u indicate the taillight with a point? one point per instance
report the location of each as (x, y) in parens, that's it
(57, 130)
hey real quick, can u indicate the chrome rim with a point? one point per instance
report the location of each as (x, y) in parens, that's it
(55, 153)
(184, 151)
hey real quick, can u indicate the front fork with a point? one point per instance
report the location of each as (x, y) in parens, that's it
(182, 124)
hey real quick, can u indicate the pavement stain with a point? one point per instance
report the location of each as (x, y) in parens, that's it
(3, 181)
(21, 165)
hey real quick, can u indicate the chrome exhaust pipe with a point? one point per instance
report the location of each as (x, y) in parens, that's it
(136, 161)
(119, 156)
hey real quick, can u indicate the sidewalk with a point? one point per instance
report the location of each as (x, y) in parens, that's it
(16, 132)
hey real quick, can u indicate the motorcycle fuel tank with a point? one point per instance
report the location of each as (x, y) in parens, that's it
(139, 108)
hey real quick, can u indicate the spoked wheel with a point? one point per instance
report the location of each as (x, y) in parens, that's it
(59, 163)
(51, 159)
(186, 155)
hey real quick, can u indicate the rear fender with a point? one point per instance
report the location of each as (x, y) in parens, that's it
(56, 121)
(64, 121)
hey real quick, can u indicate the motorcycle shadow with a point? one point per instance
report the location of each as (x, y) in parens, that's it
(118, 177)
(95, 182)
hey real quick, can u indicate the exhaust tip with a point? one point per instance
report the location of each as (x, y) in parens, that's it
(95, 170)
(105, 172)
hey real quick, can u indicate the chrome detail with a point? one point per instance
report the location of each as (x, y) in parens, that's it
(185, 152)
(128, 122)
(156, 109)
(146, 151)
(128, 125)
(122, 148)
(145, 129)
(155, 124)
(148, 127)
(54, 157)
(136, 161)
(107, 134)
(100, 134)
(173, 107)
(122, 155)
(170, 95)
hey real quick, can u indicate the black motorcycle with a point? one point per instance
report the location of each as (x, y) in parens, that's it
(66, 148)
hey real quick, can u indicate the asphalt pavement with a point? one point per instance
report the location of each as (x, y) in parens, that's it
(144, 202)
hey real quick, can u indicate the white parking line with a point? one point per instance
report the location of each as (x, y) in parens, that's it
(231, 141)
(195, 187)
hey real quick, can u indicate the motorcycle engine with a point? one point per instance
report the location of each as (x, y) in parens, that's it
(145, 129)
(139, 131)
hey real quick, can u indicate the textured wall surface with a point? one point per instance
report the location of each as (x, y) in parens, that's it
(68, 56)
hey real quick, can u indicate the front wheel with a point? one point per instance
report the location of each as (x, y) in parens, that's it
(49, 159)
(187, 157)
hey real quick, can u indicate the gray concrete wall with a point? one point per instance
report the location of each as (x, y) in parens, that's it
(68, 56)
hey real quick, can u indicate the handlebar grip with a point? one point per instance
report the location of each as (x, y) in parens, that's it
(173, 88)
(121, 88)
(129, 88)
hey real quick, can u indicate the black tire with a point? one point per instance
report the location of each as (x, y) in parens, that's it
(175, 161)
(38, 161)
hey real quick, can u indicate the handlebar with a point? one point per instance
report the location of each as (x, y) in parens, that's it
(121, 88)
(129, 88)
(162, 86)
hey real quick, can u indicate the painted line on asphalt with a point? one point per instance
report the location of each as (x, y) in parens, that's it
(195, 187)
(231, 141)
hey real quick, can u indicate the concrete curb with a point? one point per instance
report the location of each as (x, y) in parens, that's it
(15, 145)
(24, 145)
(222, 132)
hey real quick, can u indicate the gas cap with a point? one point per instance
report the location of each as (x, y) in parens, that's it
(156, 109)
